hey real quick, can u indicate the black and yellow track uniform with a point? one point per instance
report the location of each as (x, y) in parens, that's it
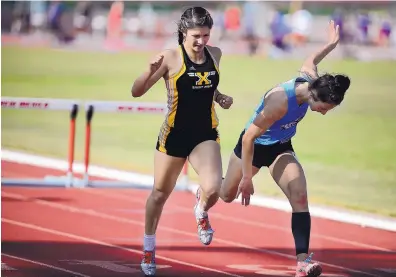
(191, 117)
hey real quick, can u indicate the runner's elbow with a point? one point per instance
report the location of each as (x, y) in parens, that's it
(248, 137)
(137, 92)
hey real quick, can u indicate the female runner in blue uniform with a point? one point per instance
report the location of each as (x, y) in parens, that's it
(266, 141)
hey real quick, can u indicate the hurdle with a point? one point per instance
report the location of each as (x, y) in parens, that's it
(52, 105)
(90, 108)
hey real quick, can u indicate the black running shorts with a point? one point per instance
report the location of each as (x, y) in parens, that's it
(181, 143)
(264, 155)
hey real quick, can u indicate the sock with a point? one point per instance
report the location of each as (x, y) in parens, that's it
(301, 229)
(199, 212)
(149, 242)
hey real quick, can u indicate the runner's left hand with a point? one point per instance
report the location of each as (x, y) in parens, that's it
(225, 101)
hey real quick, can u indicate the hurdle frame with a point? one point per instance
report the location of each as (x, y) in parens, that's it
(53, 105)
(90, 108)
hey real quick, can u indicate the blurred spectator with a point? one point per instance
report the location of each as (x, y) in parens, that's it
(385, 33)
(83, 16)
(37, 14)
(148, 19)
(60, 22)
(218, 29)
(338, 18)
(280, 30)
(364, 23)
(301, 26)
(250, 9)
(114, 25)
(21, 17)
(232, 21)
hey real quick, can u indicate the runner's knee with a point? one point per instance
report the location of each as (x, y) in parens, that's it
(211, 192)
(227, 195)
(159, 197)
(299, 200)
(211, 187)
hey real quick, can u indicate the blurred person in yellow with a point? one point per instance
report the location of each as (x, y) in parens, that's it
(191, 75)
(266, 142)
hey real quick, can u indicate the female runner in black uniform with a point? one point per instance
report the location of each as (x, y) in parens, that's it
(191, 74)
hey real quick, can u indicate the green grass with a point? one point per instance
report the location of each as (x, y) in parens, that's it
(348, 155)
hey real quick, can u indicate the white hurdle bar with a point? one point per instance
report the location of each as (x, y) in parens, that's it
(90, 107)
(38, 103)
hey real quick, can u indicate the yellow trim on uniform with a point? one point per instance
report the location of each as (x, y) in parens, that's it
(173, 80)
(173, 95)
(214, 61)
(215, 119)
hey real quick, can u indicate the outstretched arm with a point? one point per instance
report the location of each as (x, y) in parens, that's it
(310, 64)
(275, 108)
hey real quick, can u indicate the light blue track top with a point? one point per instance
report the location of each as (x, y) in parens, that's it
(285, 128)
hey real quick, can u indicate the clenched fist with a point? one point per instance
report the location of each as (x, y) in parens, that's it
(224, 101)
(156, 63)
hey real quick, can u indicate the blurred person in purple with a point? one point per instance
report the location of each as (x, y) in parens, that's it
(338, 18)
(364, 23)
(279, 30)
(60, 22)
(385, 32)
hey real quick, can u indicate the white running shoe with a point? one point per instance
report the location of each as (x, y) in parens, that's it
(148, 263)
(205, 231)
(307, 268)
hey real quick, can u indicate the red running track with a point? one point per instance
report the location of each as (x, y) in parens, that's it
(98, 232)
